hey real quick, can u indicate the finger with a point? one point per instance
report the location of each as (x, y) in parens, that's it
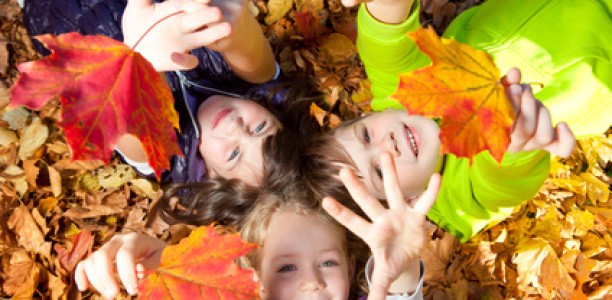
(424, 203)
(346, 217)
(513, 77)
(126, 267)
(105, 274)
(96, 276)
(211, 34)
(526, 117)
(545, 133)
(184, 61)
(140, 4)
(80, 278)
(360, 194)
(393, 192)
(197, 20)
(351, 3)
(565, 142)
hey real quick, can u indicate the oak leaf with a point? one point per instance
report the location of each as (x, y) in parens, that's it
(202, 266)
(463, 87)
(106, 90)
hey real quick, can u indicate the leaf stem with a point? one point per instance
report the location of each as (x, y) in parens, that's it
(155, 24)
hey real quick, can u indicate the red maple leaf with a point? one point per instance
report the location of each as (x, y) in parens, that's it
(81, 247)
(463, 87)
(202, 266)
(106, 90)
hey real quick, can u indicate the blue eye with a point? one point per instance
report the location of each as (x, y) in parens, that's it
(286, 268)
(366, 135)
(260, 127)
(234, 154)
(328, 263)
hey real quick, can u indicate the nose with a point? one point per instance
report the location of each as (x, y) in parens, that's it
(235, 127)
(389, 144)
(312, 281)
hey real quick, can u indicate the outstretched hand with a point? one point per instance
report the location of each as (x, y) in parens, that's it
(533, 129)
(132, 253)
(395, 235)
(167, 43)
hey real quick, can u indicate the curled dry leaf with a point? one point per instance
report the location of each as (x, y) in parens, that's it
(29, 235)
(32, 138)
(7, 137)
(115, 176)
(17, 118)
(22, 276)
(277, 9)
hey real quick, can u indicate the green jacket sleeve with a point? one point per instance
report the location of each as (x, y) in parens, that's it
(386, 52)
(471, 197)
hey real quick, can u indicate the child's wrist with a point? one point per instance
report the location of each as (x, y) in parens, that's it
(408, 281)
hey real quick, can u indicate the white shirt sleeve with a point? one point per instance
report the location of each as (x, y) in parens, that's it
(418, 292)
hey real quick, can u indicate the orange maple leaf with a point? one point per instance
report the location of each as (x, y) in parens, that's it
(202, 266)
(463, 87)
(106, 90)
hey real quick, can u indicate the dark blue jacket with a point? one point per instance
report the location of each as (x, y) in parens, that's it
(212, 76)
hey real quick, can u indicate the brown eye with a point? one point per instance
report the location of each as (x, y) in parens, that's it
(366, 135)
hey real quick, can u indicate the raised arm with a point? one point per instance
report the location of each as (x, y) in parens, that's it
(175, 27)
(395, 235)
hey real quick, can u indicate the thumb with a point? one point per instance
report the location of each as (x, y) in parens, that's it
(564, 144)
(185, 61)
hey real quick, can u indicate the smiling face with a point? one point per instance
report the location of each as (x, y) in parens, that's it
(232, 134)
(412, 140)
(304, 257)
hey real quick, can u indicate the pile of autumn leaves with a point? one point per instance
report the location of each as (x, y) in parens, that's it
(54, 210)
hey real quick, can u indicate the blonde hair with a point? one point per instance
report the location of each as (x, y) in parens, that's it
(255, 227)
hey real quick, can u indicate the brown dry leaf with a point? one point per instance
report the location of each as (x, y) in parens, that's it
(338, 48)
(29, 235)
(436, 255)
(56, 181)
(17, 118)
(7, 137)
(4, 55)
(22, 276)
(310, 5)
(33, 137)
(57, 287)
(318, 113)
(539, 267)
(31, 171)
(145, 188)
(16, 176)
(48, 204)
(92, 211)
(277, 9)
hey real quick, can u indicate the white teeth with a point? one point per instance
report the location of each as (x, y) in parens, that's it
(413, 143)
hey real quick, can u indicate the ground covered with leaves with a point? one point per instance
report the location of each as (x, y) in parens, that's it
(54, 211)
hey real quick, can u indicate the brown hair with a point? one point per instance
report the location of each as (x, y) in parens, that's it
(227, 201)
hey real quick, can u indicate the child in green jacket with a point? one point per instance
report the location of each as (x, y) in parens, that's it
(473, 196)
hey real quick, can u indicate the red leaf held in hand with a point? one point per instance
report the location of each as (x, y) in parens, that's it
(202, 266)
(106, 90)
(463, 87)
